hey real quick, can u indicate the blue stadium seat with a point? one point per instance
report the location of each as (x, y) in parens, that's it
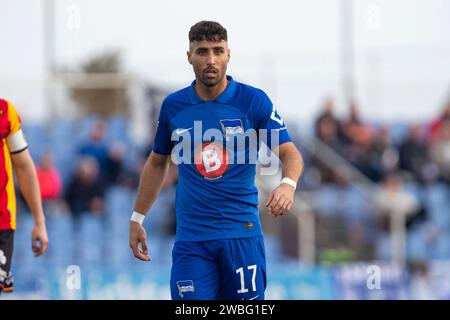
(37, 138)
(417, 245)
(90, 239)
(62, 240)
(443, 247)
(117, 129)
(437, 199)
(119, 255)
(274, 252)
(354, 204)
(325, 200)
(119, 199)
(383, 247)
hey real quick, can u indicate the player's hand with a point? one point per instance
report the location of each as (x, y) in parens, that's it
(138, 241)
(39, 239)
(280, 200)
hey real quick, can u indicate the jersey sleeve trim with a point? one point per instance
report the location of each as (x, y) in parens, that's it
(17, 142)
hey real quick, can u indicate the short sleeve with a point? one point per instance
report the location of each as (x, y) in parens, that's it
(14, 119)
(163, 143)
(15, 138)
(268, 118)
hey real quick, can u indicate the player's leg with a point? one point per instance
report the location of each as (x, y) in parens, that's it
(6, 251)
(243, 269)
(195, 273)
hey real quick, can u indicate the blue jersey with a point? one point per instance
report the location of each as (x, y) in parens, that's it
(216, 193)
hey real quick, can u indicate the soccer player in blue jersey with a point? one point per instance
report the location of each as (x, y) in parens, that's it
(207, 130)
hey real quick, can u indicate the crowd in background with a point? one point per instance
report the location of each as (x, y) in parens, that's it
(98, 167)
(394, 164)
(421, 156)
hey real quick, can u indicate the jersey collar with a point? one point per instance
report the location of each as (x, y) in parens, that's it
(224, 97)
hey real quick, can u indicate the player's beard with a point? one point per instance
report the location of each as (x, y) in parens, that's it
(207, 82)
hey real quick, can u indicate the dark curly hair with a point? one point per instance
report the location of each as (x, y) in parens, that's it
(207, 30)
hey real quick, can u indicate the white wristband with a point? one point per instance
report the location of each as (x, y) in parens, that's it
(290, 182)
(137, 217)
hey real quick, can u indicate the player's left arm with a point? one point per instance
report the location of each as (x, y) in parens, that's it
(29, 186)
(280, 200)
(26, 175)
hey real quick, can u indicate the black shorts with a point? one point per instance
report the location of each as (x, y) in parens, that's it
(6, 252)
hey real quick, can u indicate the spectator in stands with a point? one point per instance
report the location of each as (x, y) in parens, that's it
(327, 126)
(436, 124)
(114, 165)
(352, 126)
(85, 192)
(413, 154)
(96, 146)
(327, 131)
(130, 178)
(382, 154)
(358, 141)
(50, 184)
(393, 199)
(440, 150)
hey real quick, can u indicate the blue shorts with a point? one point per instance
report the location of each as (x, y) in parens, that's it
(225, 269)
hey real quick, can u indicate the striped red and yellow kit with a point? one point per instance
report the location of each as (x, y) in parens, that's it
(10, 122)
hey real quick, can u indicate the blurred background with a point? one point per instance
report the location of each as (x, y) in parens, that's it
(364, 87)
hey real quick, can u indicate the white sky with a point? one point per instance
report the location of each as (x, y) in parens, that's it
(288, 48)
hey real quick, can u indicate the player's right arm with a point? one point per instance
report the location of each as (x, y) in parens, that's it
(151, 182)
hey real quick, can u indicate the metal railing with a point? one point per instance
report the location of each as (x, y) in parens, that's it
(303, 209)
